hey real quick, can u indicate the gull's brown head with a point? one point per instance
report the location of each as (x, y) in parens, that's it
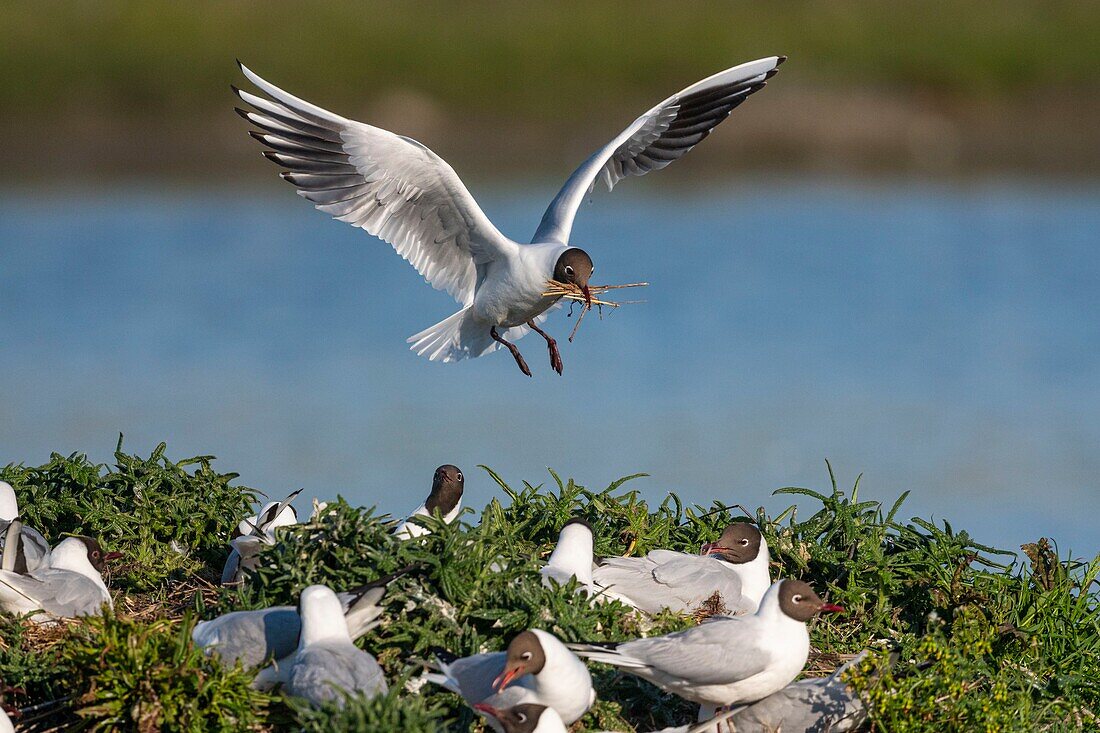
(447, 486)
(739, 543)
(798, 601)
(522, 718)
(525, 656)
(574, 266)
(96, 556)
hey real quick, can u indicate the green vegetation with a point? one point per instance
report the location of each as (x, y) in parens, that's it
(963, 637)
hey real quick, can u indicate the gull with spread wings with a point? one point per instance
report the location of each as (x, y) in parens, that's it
(401, 192)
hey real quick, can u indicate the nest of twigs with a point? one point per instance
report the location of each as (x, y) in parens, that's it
(572, 293)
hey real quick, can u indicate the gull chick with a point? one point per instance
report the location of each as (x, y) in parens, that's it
(445, 498)
(536, 668)
(730, 659)
(400, 191)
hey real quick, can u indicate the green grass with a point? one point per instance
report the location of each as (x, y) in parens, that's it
(981, 640)
(530, 59)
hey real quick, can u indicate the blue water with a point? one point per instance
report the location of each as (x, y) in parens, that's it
(944, 340)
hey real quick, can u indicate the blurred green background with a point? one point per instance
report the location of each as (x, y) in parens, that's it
(128, 88)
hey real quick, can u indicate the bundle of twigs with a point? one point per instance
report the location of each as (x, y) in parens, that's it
(555, 289)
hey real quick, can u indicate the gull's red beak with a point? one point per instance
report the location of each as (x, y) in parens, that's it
(831, 608)
(107, 557)
(487, 709)
(505, 678)
(706, 548)
(587, 295)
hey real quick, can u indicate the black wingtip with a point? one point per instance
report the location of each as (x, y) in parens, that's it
(242, 112)
(272, 156)
(779, 61)
(240, 65)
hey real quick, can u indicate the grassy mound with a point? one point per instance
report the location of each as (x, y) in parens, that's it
(963, 637)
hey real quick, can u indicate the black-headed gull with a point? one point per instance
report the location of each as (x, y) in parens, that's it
(524, 718)
(536, 668)
(736, 567)
(400, 191)
(445, 498)
(265, 635)
(70, 586)
(253, 534)
(727, 660)
(572, 556)
(327, 666)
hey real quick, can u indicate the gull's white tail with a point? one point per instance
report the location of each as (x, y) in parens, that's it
(460, 336)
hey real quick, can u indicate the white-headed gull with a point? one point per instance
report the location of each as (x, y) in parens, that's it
(445, 497)
(572, 556)
(258, 637)
(253, 534)
(736, 567)
(327, 666)
(400, 191)
(536, 668)
(727, 660)
(70, 586)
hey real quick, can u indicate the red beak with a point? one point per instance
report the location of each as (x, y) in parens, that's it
(587, 295)
(487, 709)
(107, 557)
(505, 678)
(831, 608)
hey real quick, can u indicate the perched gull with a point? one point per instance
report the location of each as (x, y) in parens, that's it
(400, 191)
(727, 660)
(445, 497)
(572, 556)
(253, 534)
(258, 637)
(71, 585)
(536, 668)
(735, 567)
(327, 666)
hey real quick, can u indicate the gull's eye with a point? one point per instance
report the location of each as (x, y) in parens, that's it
(569, 270)
(526, 656)
(745, 543)
(522, 717)
(797, 599)
(460, 475)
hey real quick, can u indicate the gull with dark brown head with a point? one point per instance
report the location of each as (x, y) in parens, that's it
(70, 586)
(400, 191)
(536, 668)
(728, 660)
(445, 498)
(735, 568)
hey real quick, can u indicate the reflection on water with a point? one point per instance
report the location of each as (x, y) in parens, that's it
(939, 340)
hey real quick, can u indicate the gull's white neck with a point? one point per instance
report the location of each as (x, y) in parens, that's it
(9, 506)
(71, 554)
(322, 617)
(573, 554)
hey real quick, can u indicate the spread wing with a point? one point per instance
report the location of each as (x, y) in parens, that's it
(390, 185)
(663, 134)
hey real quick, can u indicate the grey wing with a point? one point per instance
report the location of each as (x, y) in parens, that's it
(389, 185)
(696, 578)
(58, 592)
(251, 637)
(808, 706)
(713, 653)
(632, 578)
(474, 675)
(322, 674)
(663, 134)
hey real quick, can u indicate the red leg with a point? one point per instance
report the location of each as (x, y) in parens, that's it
(511, 347)
(555, 355)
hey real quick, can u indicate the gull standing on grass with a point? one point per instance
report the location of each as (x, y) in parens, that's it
(71, 586)
(735, 567)
(400, 191)
(726, 660)
(445, 497)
